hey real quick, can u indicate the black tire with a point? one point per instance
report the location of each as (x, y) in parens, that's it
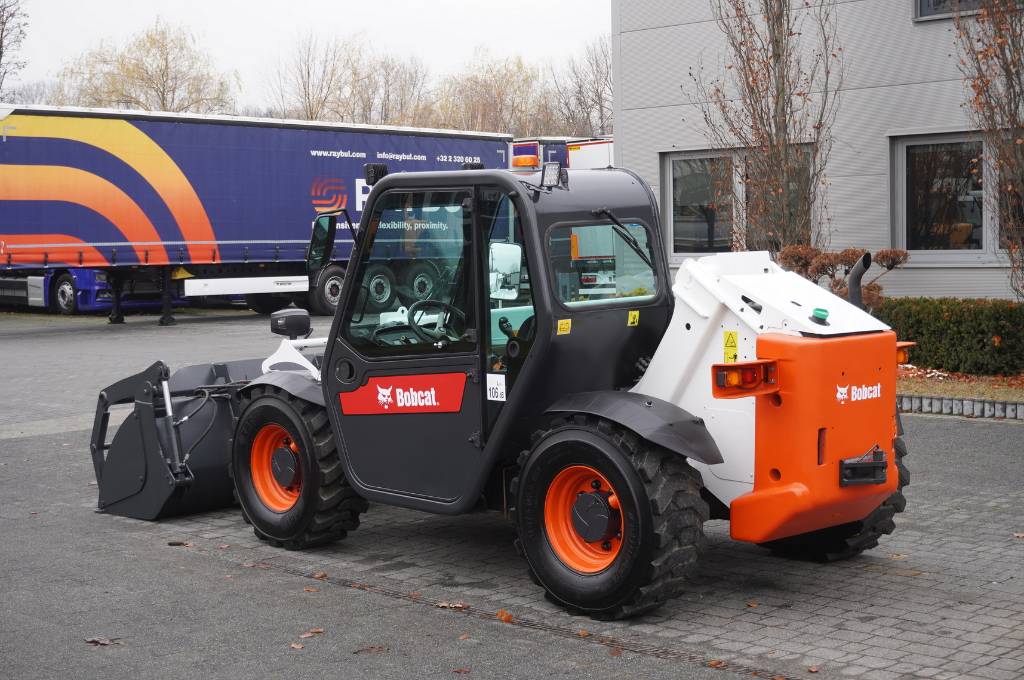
(326, 293)
(851, 539)
(65, 295)
(419, 282)
(382, 289)
(266, 303)
(327, 507)
(662, 511)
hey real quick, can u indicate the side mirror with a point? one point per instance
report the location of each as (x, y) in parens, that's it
(291, 322)
(505, 269)
(321, 243)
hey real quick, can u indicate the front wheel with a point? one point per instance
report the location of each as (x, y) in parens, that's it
(849, 540)
(610, 525)
(287, 474)
(65, 295)
(326, 293)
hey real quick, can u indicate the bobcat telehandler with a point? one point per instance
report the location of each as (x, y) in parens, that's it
(610, 416)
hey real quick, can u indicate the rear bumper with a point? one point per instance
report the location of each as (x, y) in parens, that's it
(823, 443)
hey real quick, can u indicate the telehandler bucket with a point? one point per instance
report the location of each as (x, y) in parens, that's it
(170, 455)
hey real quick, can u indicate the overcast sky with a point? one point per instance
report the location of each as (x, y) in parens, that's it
(249, 37)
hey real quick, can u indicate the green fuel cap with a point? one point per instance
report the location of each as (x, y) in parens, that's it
(820, 316)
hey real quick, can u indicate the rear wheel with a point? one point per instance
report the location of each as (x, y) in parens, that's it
(382, 290)
(849, 540)
(421, 281)
(266, 303)
(611, 525)
(287, 474)
(326, 294)
(65, 294)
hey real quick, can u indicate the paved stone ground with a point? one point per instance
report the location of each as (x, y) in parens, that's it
(941, 598)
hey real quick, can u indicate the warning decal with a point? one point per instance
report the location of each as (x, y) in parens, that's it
(730, 346)
(633, 319)
(564, 326)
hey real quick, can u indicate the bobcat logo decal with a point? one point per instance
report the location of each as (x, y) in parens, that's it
(384, 397)
(842, 394)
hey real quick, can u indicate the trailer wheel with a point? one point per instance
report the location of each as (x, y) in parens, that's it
(287, 474)
(65, 294)
(421, 281)
(266, 303)
(326, 294)
(610, 525)
(381, 287)
(849, 540)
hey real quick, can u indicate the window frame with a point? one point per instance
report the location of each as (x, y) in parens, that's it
(608, 303)
(989, 254)
(739, 193)
(919, 17)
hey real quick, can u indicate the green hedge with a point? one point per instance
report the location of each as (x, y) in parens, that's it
(952, 334)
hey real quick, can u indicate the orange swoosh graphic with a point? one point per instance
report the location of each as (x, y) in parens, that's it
(126, 142)
(70, 185)
(60, 248)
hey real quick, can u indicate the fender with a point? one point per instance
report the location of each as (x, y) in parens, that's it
(657, 421)
(295, 383)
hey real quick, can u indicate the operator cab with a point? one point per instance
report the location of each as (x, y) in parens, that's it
(477, 298)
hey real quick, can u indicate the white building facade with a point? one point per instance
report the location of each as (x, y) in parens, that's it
(904, 170)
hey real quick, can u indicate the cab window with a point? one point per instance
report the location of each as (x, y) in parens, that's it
(414, 294)
(602, 263)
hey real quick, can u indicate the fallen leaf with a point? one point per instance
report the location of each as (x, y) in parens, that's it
(100, 641)
(1018, 534)
(452, 605)
(415, 595)
(228, 576)
(174, 544)
(897, 556)
(36, 513)
(464, 636)
(461, 671)
(311, 589)
(320, 575)
(583, 633)
(504, 616)
(752, 604)
(92, 483)
(261, 565)
(812, 669)
(296, 645)
(615, 651)
(372, 649)
(716, 663)
(224, 546)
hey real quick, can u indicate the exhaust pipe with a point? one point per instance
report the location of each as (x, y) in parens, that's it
(853, 282)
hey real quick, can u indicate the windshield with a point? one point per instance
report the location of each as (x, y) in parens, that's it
(602, 262)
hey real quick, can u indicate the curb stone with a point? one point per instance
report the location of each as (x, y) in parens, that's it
(971, 408)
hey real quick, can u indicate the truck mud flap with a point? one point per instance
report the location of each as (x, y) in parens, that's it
(170, 455)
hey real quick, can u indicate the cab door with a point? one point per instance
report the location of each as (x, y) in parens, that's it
(402, 374)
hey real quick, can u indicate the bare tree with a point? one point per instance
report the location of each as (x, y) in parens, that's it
(163, 68)
(36, 92)
(583, 91)
(774, 102)
(12, 34)
(991, 47)
(386, 90)
(306, 84)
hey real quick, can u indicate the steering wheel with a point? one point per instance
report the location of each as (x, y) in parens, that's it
(377, 336)
(441, 331)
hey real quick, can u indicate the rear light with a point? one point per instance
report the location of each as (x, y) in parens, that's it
(747, 379)
(588, 278)
(903, 352)
(525, 161)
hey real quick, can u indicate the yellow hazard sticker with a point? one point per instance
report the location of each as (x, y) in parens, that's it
(730, 346)
(564, 326)
(633, 318)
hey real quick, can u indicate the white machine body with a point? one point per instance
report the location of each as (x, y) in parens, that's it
(723, 303)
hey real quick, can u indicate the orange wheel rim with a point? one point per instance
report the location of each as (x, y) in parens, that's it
(276, 496)
(586, 557)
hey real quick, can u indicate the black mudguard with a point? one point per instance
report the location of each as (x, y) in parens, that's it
(295, 383)
(657, 421)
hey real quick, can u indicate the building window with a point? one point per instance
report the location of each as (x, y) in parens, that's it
(928, 9)
(944, 196)
(702, 210)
